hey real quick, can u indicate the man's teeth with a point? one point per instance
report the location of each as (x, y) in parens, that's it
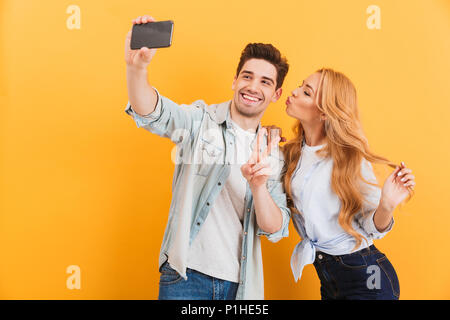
(250, 98)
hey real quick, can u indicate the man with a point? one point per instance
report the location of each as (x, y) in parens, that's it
(221, 202)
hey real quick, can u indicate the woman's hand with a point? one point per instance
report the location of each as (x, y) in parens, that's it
(274, 131)
(397, 187)
(257, 169)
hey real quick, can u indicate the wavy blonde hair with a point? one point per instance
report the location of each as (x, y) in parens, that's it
(345, 144)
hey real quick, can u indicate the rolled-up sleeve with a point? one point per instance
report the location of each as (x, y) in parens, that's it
(284, 230)
(369, 226)
(168, 116)
(145, 120)
(276, 190)
(372, 196)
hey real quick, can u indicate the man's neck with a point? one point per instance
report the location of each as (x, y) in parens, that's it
(246, 123)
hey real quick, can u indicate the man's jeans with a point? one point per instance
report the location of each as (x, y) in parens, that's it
(363, 275)
(198, 286)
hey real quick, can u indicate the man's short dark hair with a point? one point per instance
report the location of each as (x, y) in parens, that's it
(265, 52)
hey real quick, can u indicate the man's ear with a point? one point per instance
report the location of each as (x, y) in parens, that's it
(277, 94)
(234, 83)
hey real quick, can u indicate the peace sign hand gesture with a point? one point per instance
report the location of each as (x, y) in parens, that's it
(258, 169)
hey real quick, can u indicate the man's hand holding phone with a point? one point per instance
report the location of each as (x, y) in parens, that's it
(140, 44)
(140, 58)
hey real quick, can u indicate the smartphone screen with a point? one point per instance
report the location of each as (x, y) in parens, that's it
(152, 35)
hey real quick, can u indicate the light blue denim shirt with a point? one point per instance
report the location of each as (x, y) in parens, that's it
(318, 224)
(204, 138)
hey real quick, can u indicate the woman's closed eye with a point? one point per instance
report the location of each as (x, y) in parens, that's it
(304, 91)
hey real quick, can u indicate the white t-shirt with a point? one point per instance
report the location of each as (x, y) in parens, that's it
(216, 249)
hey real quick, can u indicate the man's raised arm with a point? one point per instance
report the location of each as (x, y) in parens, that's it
(141, 94)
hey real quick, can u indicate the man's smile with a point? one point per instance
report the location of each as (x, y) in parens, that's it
(249, 99)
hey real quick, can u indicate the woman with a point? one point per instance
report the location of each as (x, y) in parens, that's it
(337, 206)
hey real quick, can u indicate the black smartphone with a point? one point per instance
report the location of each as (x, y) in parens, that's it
(152, 35)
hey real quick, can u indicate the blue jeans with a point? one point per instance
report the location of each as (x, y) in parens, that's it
(198, 286)
(362, 275)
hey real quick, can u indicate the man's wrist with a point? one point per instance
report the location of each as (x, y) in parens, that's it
(136, 70)
(258, 189)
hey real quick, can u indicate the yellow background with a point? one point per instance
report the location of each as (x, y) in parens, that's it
(82, 185)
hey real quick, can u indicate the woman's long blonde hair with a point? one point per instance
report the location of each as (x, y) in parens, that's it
(345, 144)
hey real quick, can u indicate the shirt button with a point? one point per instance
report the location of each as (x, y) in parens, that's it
(243, 257)
(320, 256)
(245, 233)
(207, 203)
(219, 183)
(248, 210)
(198, 223)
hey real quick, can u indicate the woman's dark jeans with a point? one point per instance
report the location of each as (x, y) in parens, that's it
(363, 275)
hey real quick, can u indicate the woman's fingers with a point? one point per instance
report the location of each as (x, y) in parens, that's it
(393, 175)
(403, 171)
(410, 184)
(274, 132)
(404, 177)
(402, 174)
(407, 177)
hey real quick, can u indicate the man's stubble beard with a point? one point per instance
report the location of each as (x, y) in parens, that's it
(242, 111)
